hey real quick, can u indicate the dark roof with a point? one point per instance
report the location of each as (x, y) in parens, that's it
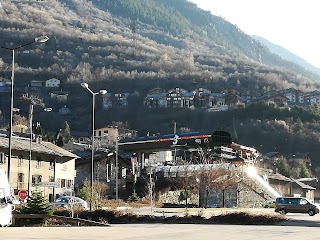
(313, 182)
(23, 144)
(271, 155)
(302, 185)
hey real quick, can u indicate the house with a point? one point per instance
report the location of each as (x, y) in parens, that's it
(233, 100)
(107, 101)
(313, 97)
(64, 110)
(313, 182)
(52, 83)
(120, 100)
(80, 137)
(270, 159)
(300, 158)
(108, 136)
(201, 98)
(36, 84)
(287, 186)
(301, 189)
(277, 99)
(60, 96)
(293, 95)
(116, 100)
(217, 102)
(49, 164)
(180, 98)
(156, 98)
(5, 85)
(105, 172)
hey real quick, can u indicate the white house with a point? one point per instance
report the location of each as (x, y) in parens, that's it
(53, 83)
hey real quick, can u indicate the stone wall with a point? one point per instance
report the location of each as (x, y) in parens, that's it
(240, 196)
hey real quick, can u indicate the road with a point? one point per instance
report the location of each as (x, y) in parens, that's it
(162, 232)
(299, 226)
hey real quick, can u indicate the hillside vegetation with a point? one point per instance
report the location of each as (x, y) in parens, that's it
(136, 45)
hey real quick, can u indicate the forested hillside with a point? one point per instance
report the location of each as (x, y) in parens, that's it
(136, 45)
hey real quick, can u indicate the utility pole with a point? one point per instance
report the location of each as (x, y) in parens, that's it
(33, 101)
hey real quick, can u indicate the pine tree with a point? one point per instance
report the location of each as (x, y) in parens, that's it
(66, 134)
(37, 204)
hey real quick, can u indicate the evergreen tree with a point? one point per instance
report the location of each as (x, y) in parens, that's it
(66, 134)
(37, 204)
(283, 167)
(304, 172)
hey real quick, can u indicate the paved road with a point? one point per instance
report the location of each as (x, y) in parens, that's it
(299, 226)
(162, 232)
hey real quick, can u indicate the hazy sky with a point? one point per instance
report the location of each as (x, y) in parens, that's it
(292, 24)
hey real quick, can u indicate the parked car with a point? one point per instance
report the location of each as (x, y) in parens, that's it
(269, 204)
(70, 201)
(295, 205)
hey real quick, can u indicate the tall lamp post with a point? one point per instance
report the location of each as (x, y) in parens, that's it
(86, 86)
(41, 39)
(31, 113)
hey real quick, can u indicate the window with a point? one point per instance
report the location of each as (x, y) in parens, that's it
(51, 178)
(20, 161)
(63, 183)
(2, 158)
(38, 163)
(51, 166)
(20, 177)
(36, 179)
(69, 183)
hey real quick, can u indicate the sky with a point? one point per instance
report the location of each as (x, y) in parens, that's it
(292, 24)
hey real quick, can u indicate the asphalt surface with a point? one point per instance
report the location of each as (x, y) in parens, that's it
(162, 232)
(298, 226)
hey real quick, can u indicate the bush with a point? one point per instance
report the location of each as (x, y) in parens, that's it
(133, 198)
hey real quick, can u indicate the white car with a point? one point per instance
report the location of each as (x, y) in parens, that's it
(69, 202)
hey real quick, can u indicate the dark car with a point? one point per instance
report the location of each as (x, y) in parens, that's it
(295, 205)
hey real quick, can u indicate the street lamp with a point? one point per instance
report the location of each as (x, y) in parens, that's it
(41, 39)
(30, 142)
(86, 86)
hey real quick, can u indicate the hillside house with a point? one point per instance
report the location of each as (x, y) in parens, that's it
(180, 98)
(115, 100)
(294, 96)
(53, 83)
(64, 110)
(60, 96)
(201, 98)
(300, 158)
(313, 97)
(156, 98)
(278, 99)
(217, 102)
(36, 84)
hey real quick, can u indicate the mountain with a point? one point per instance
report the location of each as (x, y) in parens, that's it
(287, 55)
(133, 46)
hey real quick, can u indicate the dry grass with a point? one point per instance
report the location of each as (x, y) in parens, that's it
(235, 218)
